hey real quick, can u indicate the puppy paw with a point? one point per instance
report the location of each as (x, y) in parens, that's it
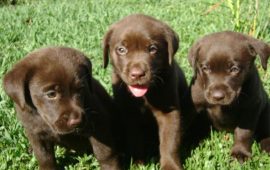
(240, 153)
(171, 166)
(139, 162)
(265, 145)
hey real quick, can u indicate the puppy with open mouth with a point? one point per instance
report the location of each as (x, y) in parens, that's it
(227, 85)
(148, 85)
(59, 103)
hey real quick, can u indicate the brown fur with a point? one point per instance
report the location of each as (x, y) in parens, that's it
(58, 102)
(141, 50)
(227, 85)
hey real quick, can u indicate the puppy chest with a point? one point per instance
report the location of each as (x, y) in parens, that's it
(222, 119)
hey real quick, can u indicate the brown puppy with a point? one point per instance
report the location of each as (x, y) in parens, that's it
(59, 102)
(227, 85)
(149, 86)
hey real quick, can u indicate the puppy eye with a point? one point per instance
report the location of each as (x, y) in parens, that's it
(51, 94)
(234, 69)
(153, 49)
(205, 69)
(121, 50)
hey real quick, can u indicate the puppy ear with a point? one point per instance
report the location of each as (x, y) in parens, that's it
(257, 47)
(106, 47)
(88, 66)
(193, 54)
(173, 43)
(16, 85)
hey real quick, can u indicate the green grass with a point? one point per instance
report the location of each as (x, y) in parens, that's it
(81, 24)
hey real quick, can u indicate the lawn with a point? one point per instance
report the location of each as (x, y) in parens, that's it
(31, 24)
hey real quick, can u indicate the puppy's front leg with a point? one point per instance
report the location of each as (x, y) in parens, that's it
(106, 157)
(44, 152)
(241, 149)
(102, 143)
(169, 137)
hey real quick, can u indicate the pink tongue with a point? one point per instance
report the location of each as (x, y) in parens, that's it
(138, 91)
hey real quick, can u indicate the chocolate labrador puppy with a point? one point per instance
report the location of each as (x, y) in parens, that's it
(227, 85)
(149, 86)
(58, 102)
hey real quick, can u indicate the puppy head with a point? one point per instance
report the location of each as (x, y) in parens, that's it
(52, 82)
(139, 47)
(222, 61)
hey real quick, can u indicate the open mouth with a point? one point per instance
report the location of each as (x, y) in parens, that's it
(138, 90)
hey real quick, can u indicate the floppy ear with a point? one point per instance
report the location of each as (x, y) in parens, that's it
(193, 54)
(106, 47)
(173, 43)
(260, 48)
(16, 85)
(88, 66)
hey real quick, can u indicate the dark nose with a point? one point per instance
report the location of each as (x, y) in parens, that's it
(136, 73)
(218, 95)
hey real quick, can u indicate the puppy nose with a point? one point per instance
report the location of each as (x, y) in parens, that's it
(136, 73)
(218, 95)
(74, 121)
